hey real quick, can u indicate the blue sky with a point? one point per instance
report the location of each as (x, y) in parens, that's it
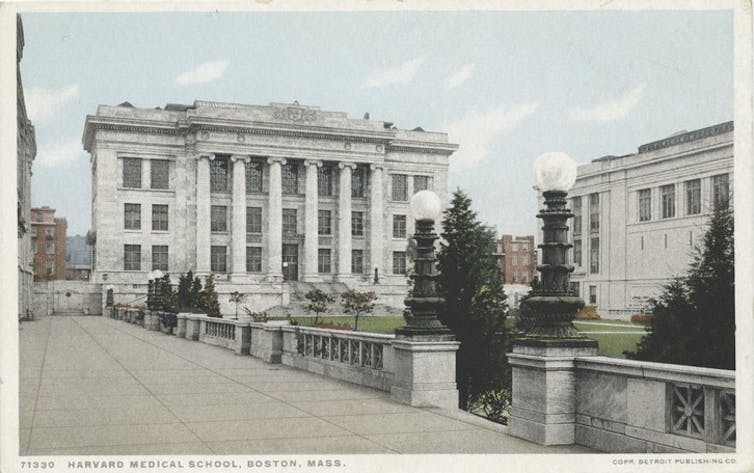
(506, 86)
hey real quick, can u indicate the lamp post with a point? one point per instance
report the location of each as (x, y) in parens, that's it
(110, 298)
(421, 320)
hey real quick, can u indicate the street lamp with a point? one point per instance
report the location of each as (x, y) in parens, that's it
(552, 303)
(422, 321)
(109, 298)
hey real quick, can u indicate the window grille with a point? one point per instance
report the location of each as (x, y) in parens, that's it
(131, 257)
(358, 182)
(253, 259)
(132, 172)
(160, 257)
(399, 262)
(218, 173)
(324, 180)
(645, 205)
(219, 218)
(594, 212)
(159, 217)
(399, 226)
(160, 173)
(594, 256)
(577, 215)
(357, 261)
(290, 227)
(357, 223)
(289, 177)
(253, 219)
(218, 259)
(254, 176)
(325, 222)
(421, 183)
(720, 191)
(323, 265)
(399, 187)
(668, 200)
(693, 197)
(132, 216)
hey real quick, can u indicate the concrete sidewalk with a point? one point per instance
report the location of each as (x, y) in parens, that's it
(93, 385)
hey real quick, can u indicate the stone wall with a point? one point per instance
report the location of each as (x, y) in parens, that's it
(640, 407)
(74, 297)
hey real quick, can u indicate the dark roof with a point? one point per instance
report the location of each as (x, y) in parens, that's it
(688, 136)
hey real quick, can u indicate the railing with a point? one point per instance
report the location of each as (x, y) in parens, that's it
(226, 330)
(703, 412)
(352, 350)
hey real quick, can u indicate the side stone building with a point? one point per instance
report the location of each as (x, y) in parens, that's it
(638, 217)
(270, 199)
(26, 151)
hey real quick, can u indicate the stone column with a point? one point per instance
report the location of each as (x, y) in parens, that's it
(203, 213)
(376, 205)
(344, 225)
(311, 222)
(275, 221)
(238, 221)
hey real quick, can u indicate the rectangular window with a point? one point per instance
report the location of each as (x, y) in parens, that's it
(357, 261)
(50, 247)
(34, 247)
(399, 226)
(253, 219)
(592, 295)
(50, 267)
(324, 222)
(323, 260)
(399, 187)
(399, 262)
(421, 183)
(159, 217)
(324, 180)
(668, 200)
(50, 234)
(160, 173)
(645, 205)
(515, 260)
(720, 191)
(219, 218)
(577, 252)
(253, 259)
(577, 215)
(290, 178)
(357, 223)
(131, 257)
(289, 223)
(132, 214)
(254, 173)
(358, 181)
(218, 174)
(218, 259)
(693, 197)
(594, 212)
(132, 172)
(594, 256)
(160, 257)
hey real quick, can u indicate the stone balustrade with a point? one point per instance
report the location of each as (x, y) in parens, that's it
(633, 406)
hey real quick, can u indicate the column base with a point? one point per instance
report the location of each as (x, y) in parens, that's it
(425, 373)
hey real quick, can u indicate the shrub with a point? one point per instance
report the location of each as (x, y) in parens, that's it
(495, 405)
(332, 325)
(644, 319)
(589, 312)
(208, 298)
(356, 303)
(318, 302)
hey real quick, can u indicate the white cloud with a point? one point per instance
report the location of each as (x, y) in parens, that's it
(476, 130)
(459, 76)
(43, 103)
(399, 74)
(609, 110)
(203, 73)
(59, 154)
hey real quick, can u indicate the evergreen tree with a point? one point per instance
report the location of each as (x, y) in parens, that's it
(209, 302)
(183, 297)
(165, 294)
(195, 295)
(475, 308)
(693, 320)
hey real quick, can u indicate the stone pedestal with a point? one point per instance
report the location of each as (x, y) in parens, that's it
(267, 341)
(151, 321)
(180, 328)
(192, 327)
(425, 373)
(544, 388)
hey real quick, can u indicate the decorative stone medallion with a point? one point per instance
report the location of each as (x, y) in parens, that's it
(204, 135)
(241, 138)
(295, 114)
(379, 148)
(347, 145)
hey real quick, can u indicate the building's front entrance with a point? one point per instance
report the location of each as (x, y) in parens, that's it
(290, 262)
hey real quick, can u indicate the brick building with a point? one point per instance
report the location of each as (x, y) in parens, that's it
(48, 244)
(517, 259)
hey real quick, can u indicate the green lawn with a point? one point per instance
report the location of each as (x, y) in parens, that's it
(608, 328)
(614, 344)
(367, 323)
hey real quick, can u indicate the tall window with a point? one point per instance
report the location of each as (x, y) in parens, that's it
(132, 219)
(289, 223)
(160, 173)
(577, 215)
(357, 261)
(577, 252)
(594, 212)
(254, 259)
(668, 200)
(325, 222)
(357, 223)
(50, 247)
(594, 256)
(645, 205)
(693, 197)
(323, 260)
(218, 174)
(159, 217)
(399, 187)
(50, 234)
(218, 262)
(399, 226)
(131, 257)
(421, 183)
(253, 219)
(358, 181)
(324, 180)
(254, 173)
(219, 218)
(160, 257)
(290, 178)
(720, 191)
(399, 262)
(50, 266)
(592, 295)
(132, 172)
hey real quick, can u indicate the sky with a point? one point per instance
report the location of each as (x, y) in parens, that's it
(505, 86)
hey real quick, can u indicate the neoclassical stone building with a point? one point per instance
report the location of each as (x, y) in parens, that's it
(639, 216)
(260, 196)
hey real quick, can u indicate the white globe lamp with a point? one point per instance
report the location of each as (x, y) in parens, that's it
(426, 205)
(555, 172)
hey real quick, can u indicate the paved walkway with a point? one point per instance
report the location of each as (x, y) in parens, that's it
(93, 385)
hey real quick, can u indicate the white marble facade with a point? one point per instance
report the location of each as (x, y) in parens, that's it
(307, 157)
